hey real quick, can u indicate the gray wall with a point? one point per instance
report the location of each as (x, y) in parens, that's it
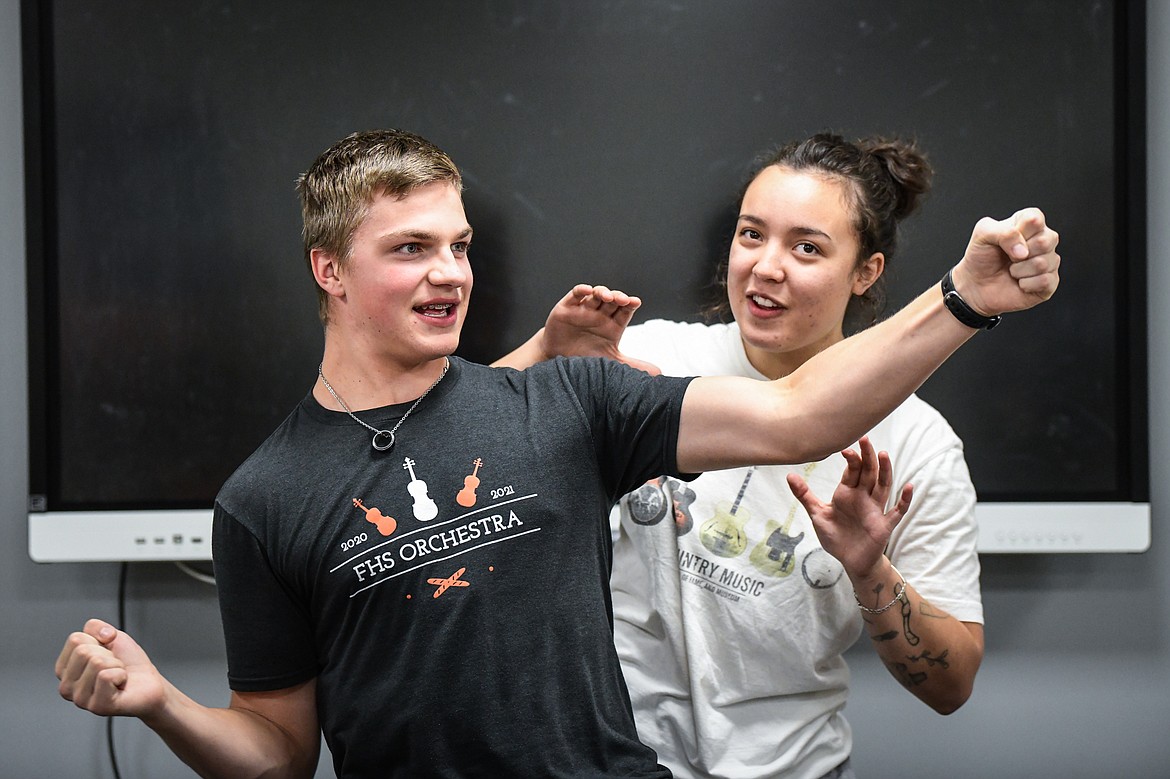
(1076, 681)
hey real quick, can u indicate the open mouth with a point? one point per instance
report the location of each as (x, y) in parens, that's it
(436, 310)
(763, 302)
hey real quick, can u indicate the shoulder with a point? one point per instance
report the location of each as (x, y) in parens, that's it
(914, 413)
(554, 372)
(687, 348)
(483, 381)
(915, 426)
(667, 330)
(271, 460)
(584, 381)
(927, 453)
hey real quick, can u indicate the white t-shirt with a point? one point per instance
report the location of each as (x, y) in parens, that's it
(730, 618)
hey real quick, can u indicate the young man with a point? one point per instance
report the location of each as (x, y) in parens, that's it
(416, 562)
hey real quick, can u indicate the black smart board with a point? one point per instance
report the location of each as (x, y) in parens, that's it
(172, 323)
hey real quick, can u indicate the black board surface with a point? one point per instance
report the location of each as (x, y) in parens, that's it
(173, 325)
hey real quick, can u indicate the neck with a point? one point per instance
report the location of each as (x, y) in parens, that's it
(372, 384)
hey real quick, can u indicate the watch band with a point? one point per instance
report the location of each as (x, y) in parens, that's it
(963, 312)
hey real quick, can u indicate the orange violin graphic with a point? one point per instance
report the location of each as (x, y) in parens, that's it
(466, 496)
(386, 525)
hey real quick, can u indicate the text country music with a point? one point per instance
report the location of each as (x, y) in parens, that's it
(705, 570)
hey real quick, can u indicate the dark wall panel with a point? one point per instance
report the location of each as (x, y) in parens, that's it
(600, 142)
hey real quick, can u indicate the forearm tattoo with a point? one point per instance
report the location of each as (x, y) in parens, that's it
(941, 660)
(913, 671)
(911, 637)
(905, 676)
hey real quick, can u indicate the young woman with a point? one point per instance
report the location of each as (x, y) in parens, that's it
(733, 608)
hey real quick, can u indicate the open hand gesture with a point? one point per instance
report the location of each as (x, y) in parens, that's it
(855, 526)
(589, 322)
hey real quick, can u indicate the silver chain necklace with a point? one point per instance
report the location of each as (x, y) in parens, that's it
(387, 436)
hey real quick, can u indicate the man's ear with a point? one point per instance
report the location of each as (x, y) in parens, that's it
(868, 272)
(327, 272)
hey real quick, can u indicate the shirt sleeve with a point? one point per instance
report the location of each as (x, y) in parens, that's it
(634, 418)
(934, 547)
(267, 631)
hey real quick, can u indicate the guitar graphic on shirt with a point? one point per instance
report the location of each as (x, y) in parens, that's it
(723, 533)
(466, 496)
(683, 497)
(424, 508)
(775, 555)
(386, 525)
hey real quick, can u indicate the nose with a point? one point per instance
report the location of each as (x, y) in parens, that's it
(449, 270)
(769, 266)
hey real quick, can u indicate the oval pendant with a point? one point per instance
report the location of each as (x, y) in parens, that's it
(385, 446)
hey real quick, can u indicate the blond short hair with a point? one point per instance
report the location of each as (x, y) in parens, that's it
(338, 188)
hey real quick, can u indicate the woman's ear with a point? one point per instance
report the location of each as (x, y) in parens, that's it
(327, 272)
(868, 272)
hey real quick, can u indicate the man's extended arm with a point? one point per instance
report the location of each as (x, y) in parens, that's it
(272, 734)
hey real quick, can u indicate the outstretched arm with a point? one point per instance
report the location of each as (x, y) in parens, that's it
(928, 651)
(587, 322)
(841, 393)
(273, 734)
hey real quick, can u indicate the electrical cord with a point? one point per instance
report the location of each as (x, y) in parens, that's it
(123, 570)
(194, 573)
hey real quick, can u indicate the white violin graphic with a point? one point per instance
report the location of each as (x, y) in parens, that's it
(424, 508)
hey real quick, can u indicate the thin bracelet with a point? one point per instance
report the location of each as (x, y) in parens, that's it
(899, 591)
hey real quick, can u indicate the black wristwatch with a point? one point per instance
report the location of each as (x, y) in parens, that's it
(963, 312)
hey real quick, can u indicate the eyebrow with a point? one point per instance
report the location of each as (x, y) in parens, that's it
(422, 235)
(799, 230)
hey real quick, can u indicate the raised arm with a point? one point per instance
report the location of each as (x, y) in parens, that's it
(272, 734)
(841, 393)
(929, 652)
(587, 322)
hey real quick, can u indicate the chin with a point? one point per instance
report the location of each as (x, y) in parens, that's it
(447, 347)
(764, 338)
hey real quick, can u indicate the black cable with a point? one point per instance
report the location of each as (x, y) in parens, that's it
(121, 623)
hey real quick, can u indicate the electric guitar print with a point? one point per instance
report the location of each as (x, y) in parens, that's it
(386, 525)
(723, 534)
(775, 555)
(424, 508)
(466, 496)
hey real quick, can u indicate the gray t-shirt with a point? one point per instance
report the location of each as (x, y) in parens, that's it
(451, 595)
